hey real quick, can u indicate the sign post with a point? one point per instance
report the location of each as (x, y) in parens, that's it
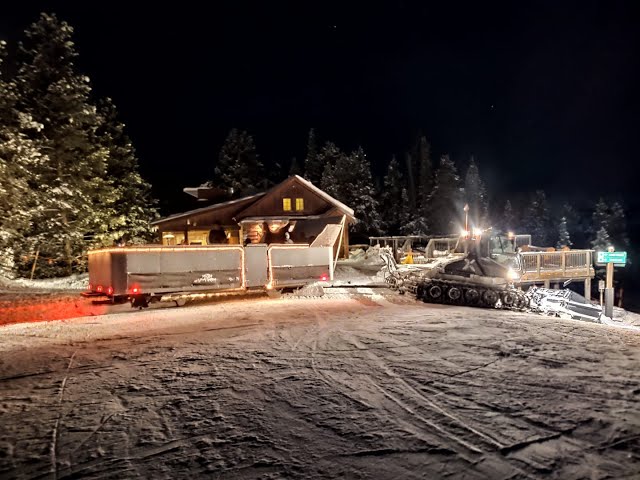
(601, 290)
(611, 259)
(608, 291)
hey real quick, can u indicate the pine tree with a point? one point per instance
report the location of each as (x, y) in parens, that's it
(617, 227)
(425, 176)
(18, 153)
(476, 196)
(602, 241)
(327, 158)
(412, 189)
(239, 169)
(134, 206)
(358, 192)
(71, 177)
(419, 227)
(275, 174)
(600, 218)
(573, 226)
(348, 178)
(393, 208)
(329, 183)
(537, 220)
(415, 224)
(508, 220)
(564, 239)
(444, 205)
(295, 169)
(313, 164)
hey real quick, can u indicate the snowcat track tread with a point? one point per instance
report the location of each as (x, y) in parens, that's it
(487, 297)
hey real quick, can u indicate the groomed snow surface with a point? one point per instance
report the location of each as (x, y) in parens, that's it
(357, 385)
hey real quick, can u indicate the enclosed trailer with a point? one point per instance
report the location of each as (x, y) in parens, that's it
(154, 272)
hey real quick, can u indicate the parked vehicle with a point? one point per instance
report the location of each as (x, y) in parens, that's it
(463, 276)
(155, 272)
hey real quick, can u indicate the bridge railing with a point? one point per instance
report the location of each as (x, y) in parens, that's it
(563, 264)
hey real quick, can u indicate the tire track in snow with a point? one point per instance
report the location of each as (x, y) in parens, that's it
(320, 326)
(54, 435)
(421, 398)
(339, 387)
(488, 447)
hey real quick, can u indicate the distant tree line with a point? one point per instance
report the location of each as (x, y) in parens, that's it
(68, 172)
(418, 197)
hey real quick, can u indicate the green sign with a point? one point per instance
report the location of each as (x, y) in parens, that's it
(618, 258)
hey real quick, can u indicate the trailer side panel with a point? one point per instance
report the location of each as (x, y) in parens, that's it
(293, 265)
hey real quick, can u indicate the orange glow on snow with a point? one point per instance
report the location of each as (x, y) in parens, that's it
(49, 309)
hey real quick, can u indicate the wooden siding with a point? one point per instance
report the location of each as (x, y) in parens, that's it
(271, 204)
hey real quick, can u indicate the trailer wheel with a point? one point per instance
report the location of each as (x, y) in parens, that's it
(181, 302)
(139, 301)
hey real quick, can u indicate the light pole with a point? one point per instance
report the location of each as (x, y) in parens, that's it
(466, 228)
(466, 217)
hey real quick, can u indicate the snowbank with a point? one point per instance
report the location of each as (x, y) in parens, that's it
(74, 282)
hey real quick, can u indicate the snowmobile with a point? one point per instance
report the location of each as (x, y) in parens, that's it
(463, 277)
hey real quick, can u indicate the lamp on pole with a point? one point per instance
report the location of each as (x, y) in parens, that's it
(466, 217)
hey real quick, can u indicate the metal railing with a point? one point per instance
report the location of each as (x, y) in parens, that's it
(564, 264)
(438, 247)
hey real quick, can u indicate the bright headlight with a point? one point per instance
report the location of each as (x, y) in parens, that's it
(513, 275)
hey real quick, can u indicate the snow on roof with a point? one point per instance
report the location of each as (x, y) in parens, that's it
(193, 191)
(328, 198)
(207, 208)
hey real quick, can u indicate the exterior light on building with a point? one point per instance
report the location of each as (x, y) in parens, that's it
(275, 225)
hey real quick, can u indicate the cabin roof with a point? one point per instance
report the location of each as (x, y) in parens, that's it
(249, 207)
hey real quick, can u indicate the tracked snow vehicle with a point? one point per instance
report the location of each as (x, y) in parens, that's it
(463, 276)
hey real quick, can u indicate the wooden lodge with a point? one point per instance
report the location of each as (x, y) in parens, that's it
(294, 211)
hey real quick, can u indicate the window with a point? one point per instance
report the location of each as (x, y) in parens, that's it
(286, 204)
(299, 204)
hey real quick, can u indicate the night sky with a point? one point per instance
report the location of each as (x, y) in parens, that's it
(544, 94)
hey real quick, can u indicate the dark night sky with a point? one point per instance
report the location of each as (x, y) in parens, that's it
(545, 94)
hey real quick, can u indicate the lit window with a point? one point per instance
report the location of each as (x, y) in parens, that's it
(299, 204)
(286, 204)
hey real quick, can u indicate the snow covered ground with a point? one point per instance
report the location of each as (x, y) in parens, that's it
(364, 385)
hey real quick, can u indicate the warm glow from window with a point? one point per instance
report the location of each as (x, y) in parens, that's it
(286, 204)
(299, 204)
